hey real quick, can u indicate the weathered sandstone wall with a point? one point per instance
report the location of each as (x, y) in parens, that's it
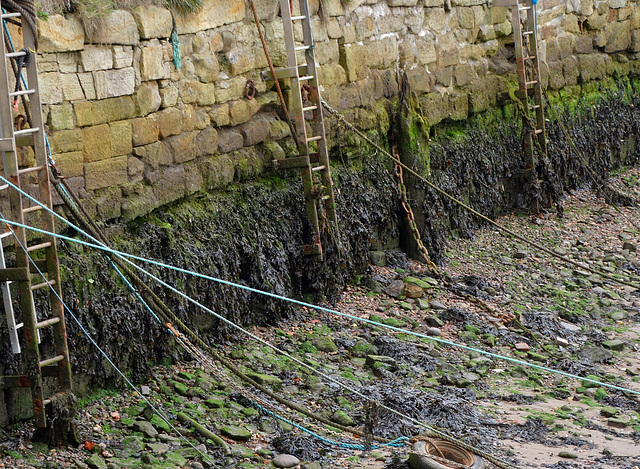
(131, 132)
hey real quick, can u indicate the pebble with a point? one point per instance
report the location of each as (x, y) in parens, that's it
(285, 460)
(522, 346)
(434, 331)
(561, 341)
(437, 305)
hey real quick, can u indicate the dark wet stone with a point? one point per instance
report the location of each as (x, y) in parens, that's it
(615, 344)
(394, 289)
(145, 427)
(594, 354)
(96, 462)
(437, 305)
(236, 433)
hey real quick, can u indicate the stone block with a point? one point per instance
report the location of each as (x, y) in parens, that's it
(122, 56)
(188, 118)
(592, 67)
(48, 63)
(67, 62)
(210, 16)
(635, 41)
(121, 138)
(207, 67)
(353, 60)
(106, 173)
(364, 23)
(169, 122)
(96, 143)
(151, 65)
(66, 141)
(147, 98)
(334, 31)
(219, 115)
(114, 109)
(94, 58)
(556, 75)
(255, 131)
(618, 36)
(230, 89)
(447, 50)
(171, 185)
(332, 75)
(183, 146)
(60, 34)
(113, 83)
(61, 117)
(50, 88)
(70, 164)
(426, 51)
(420, 81)
(71, 89)
(571, 71)
(202, 119)
(435, 19)
(466, 18)
(241, 60)
(229, 140)
(84, 112)
(192, 91)
(154, 155)
(583, 45)
(153, 21)
(207, 142)
(565, 45)
(135, 170)
(87, 84)
(464, 74)
(117, 27)
(241, 110)
(381, 53)
(169, 96)
(144, 130)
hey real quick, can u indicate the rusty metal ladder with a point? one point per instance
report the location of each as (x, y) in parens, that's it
(525, 34)
(30, 174)
(306, 103)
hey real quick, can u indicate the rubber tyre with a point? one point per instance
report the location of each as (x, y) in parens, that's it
(419, 459)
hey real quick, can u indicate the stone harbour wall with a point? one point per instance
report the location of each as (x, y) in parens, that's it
(131, 132)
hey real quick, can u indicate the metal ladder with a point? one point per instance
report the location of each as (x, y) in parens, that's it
(525, 36)
(306, 102)
(30, 175)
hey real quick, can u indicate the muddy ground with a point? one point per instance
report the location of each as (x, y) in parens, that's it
(497, 296)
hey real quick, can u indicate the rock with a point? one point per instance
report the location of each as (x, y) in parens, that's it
(561, 341)
(570, 327)
(434, 331)
(413, 291)
(324, 343)
(616, 344)
(568, 455)
(424, 284)
(145, 427)
(265, 379)
(619, 422)
(629, 247)
(117, 27)
(60, 34)
(96, 462)
(618, 315)
(522, 346)
(240, 451)
(434, 304)
(378, 258)
(285, 460)
(520, 254)
(145, 390)
(594, 354)
(434, 321)
(342, 418)
(79, 464)
(609, 411)
(236, 433)
(394, 289)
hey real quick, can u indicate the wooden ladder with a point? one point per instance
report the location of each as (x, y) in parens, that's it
(32, 255)
(306, 104)
(529, 93)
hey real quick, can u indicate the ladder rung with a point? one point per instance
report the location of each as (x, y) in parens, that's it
(309, 108)
(30, 170)
(303, 48)
(524, 8)
(51, 361)
(10, 15)
(32, 209)
(314, 139)
(325, 197)
(305, 77)
(298, 18)
(537, 131)
(43, 284)
(527, 33)
(35, 247)
(4, 186)
(15, 54)
(22, 92)
(19, 325)
(535, 106)
(531, 82)
(319, 168)
(47, 322)
(529, 57)
(6, 234)
(26, 131)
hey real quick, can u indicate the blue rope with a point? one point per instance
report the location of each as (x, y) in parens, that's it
(276, 296)
(397, 443)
